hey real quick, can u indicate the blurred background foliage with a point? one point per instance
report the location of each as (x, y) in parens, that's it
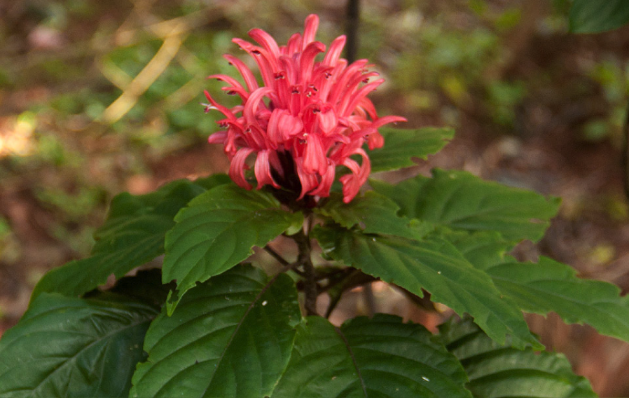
(99, 97)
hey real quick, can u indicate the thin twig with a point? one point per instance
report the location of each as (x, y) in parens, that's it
(334, 275)
(625, 153)
(276, 255)
(351, 30)
(354, 279)
(333, 303)
(309, 225)
(298, 272)
(370, 300)
(288, 266)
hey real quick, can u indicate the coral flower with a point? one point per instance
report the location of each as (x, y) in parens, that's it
(306, 119)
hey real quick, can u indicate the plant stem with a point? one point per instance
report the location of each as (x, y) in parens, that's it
(310, 283)
(625, 152)
(351, 50)
(352, 279)
(276, 255)
(370, 301)
(351, 30)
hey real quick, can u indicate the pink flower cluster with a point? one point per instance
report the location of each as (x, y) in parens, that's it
(315, 112)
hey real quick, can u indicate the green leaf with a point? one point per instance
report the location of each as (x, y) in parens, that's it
(132, 235)
(498, 371)
(217, 231)
(380, 357)
(146, 285)
(550, 286)
(594, 16)
(459, 200)
(482, 249)
(375, 213)
(432, 264)
(70, 347)
(230, 337)
(401, 146)
(213, 181)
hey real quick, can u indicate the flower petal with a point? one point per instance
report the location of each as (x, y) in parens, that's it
(219, 107)
(310, 30)
(236, 87)
(347, 107)
(327, 179)
(266, 63)
(290, 126)
(217, 138)
(327, 120)
(334, 53)
(266, 41)
(315, 160)
(375, 140)
(294, 44)
(263, 170)
(308, 180)
(244, 71)
(237, 167)
(306, 61)
(353, 182)
(251, 106)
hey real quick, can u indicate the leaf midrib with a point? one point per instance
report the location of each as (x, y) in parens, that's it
(405, 258)
(74, 357)
(231, 338)
(351, 354)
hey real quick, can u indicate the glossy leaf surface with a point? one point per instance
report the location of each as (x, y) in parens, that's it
(497, 371)
(218, 230)
(71, 347)
(401, 146)
(380, 357)
(230, 337)
(373, 213)
(461, 201)
(548, 286)
(431, 264)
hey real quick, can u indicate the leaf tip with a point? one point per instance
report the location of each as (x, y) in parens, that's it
(171, 302)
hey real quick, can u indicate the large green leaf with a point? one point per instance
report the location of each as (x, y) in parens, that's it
(70, 347)
(432, 264)
(218, 230)
(401, 146)
(374, 213)
(380, 357)
(548, 286)
(459, 200)
(551, 286)
(497, 371)
(230, 337)
(132, 235)
(593, 16)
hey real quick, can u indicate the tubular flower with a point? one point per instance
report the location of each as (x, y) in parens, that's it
(306, 119)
